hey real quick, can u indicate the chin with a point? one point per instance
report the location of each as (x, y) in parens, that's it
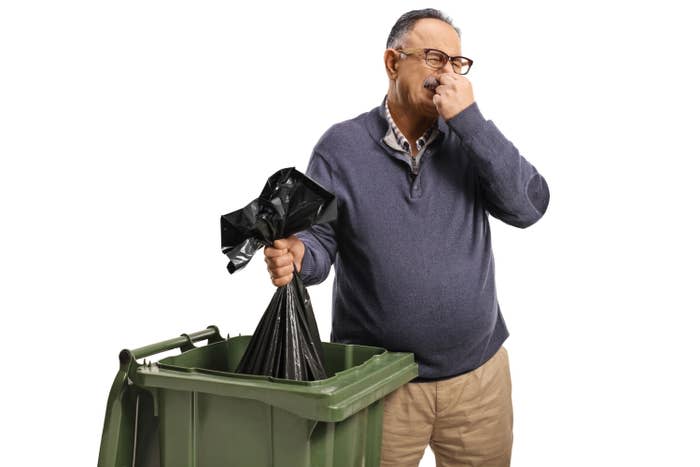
(429, 109)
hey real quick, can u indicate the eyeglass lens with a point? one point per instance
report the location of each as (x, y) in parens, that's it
(437, 60)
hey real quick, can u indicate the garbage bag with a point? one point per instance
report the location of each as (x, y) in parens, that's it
(289, 203)
(286, 342)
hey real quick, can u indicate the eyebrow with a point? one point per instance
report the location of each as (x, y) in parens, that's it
(434, 48)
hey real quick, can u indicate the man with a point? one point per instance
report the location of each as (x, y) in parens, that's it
(416, 179)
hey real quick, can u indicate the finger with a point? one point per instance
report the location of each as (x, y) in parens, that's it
(283, 271)
(279, 261)
(437, 99)
(446, 77)
(279, 282)
(271, 252)
(462, 81)
(281, 243)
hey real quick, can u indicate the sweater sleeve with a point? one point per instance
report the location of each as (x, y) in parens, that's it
(319, 240)
(512, 189)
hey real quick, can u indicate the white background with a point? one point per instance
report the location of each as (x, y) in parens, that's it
(128, 128)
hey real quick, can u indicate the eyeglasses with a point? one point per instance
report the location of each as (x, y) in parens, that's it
(436, 59)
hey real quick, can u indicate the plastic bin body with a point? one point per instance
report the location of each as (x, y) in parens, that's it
(193, 410)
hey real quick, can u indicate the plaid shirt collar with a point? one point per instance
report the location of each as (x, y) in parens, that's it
(400, 138)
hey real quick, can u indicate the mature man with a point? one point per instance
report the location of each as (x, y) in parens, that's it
(416, 178)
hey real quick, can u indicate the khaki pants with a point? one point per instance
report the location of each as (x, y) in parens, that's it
(467, 419)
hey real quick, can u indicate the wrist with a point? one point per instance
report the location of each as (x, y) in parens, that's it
(468, 121)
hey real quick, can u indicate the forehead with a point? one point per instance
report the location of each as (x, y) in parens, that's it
(433, 33)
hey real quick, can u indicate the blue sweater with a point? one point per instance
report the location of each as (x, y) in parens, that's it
(414, 269)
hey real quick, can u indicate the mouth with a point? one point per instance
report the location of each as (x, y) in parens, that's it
(431, 83)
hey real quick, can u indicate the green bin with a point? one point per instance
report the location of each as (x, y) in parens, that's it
(193, 410)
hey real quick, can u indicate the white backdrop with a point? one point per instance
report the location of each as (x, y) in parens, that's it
(127, 129)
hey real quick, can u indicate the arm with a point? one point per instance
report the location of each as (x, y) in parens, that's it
(319, 240)
(512, 189)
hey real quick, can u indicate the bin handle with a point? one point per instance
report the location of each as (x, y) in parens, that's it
(184, 342)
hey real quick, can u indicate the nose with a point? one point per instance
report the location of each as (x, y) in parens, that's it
(447, 67)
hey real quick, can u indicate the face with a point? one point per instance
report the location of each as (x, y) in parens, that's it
(410, 71)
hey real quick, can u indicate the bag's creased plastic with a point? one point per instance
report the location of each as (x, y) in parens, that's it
(286, 343)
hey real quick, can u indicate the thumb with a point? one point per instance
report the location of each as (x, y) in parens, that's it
(281, 243)
(297, 248)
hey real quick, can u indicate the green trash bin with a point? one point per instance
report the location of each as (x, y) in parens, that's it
(194, 410)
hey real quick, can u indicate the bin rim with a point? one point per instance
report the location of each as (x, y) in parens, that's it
(332, 399)
(254, 377)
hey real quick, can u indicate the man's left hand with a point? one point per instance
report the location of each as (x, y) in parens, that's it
(453, 95)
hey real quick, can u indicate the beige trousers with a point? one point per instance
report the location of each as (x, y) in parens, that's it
(467, 420)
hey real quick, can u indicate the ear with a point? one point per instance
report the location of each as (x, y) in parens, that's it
(391, 63)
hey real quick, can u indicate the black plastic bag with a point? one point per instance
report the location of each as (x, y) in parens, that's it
(289, 203)
(286, 343)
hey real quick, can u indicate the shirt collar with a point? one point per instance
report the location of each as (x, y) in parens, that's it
(427, 137)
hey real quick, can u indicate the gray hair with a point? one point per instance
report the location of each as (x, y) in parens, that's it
(406, 22)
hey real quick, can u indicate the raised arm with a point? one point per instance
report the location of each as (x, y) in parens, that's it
(512, 188)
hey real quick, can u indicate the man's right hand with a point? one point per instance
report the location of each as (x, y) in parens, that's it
(279, 259)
